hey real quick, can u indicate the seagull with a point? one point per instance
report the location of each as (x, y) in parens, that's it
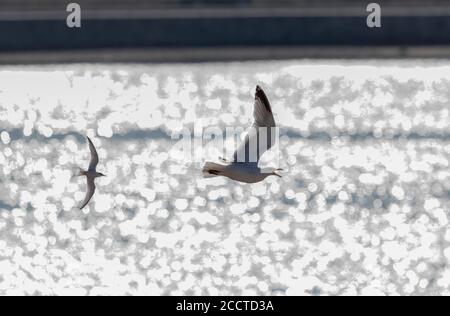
(91, 174)
(247, 170)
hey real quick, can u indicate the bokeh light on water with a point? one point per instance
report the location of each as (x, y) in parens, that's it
(362, 207)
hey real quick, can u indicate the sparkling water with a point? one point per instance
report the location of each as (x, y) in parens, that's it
(362, 208)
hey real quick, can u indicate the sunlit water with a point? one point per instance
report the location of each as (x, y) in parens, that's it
(363, 206)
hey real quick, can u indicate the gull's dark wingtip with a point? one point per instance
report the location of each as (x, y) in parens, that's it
(259, 90)
(260, 94)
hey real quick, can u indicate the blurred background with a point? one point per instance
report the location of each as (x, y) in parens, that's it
(103, 4)
(199, 30)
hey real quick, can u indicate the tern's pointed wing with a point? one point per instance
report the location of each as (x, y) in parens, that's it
(94, 156)
(260, 137)
(90, 192)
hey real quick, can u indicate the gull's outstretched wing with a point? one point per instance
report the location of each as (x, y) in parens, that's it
(94, 156)
(260, 136)
(90, 192)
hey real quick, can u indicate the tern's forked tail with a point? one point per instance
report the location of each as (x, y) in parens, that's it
(211, 169)
(81, 172)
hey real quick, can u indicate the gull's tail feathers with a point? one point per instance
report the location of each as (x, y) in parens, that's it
(211, 169)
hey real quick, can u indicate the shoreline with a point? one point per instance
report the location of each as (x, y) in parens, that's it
(196, 35)
(220, 54)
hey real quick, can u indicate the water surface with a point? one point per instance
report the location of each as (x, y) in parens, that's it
(363, 206)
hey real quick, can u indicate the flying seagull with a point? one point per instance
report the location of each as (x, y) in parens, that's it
(91, 174)
(259, 139)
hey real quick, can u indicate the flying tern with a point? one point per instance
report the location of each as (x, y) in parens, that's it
(91, 174)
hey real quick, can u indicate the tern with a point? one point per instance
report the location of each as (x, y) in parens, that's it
(91, 174)
(243, 168)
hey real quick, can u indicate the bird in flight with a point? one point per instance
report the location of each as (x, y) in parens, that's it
(259, 139)
(91, 174)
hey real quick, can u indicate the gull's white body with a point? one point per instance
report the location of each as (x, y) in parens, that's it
(91, 174)
(249, 172)
(241, 172)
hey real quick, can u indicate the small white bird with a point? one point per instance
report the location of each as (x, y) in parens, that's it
(91, 174)
(244, 168)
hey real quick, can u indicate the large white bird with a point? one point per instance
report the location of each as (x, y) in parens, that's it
(259, 139)
(91, 174)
